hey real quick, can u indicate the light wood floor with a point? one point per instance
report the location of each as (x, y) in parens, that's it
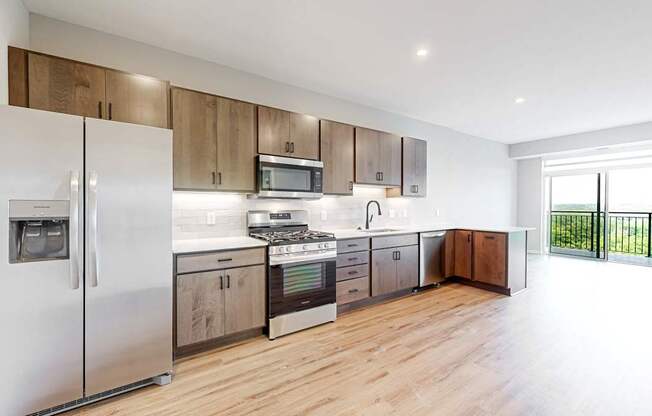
(578, 342)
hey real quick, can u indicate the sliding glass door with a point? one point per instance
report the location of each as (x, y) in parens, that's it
(576, 218)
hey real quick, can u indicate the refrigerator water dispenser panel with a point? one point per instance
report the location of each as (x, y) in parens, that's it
(38, 230)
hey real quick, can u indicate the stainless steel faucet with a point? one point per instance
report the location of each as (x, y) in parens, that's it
(369, 219)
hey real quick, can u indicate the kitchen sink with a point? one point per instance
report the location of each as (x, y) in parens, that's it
(380, 230)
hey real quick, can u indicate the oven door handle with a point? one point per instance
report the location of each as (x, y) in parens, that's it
(308, 258)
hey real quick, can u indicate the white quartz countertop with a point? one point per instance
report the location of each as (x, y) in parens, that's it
(232, 243)
(215, 244)
(343, 234)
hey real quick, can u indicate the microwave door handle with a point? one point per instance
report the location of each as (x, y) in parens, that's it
(75, 258)
(92, 229)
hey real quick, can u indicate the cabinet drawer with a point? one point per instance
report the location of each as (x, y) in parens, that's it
(352, 290)
(352, 272)
(351, 259)
(357, 244)
(219, 260)
(394, 241)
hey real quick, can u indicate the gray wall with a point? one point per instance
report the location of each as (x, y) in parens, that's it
(14, 31)
(470, 180)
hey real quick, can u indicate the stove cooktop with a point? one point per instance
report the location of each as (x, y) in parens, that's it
(293, 237)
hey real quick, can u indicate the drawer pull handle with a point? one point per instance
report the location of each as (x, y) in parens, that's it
(221, 260)
(354, 290)
(352, 259)
(489, 237)
(353, 272)
(351, 245)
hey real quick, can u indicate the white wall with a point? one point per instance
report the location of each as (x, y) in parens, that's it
(530, 200)
(14, 31)
(624, 136)
(470, 180)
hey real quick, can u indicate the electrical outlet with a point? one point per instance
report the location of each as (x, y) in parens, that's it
(392, 213)
(210, 218)
(323, 215)
(404, 213)
(437, 213)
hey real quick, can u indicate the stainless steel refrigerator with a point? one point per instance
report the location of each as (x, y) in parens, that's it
(85, 259)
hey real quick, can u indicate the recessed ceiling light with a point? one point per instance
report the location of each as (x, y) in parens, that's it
(422, 52)
(519, 100)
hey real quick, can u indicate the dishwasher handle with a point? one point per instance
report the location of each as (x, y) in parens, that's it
(434, 235)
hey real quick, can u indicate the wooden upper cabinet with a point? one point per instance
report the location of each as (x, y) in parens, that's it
(377, 157)
(415, 162)
(490, 258)
(273, 131)
(464, 254)
(65, 86)
(337, 142)
(137, 99)
(287, 134)
(195, 139)
(236, 145)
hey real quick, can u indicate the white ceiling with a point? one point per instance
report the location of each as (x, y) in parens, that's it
(580, 64)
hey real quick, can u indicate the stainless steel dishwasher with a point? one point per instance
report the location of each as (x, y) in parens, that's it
(431, 258)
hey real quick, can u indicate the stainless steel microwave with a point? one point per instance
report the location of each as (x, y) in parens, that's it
(285, 177)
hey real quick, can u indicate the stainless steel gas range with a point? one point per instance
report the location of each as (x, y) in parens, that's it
(301, 271)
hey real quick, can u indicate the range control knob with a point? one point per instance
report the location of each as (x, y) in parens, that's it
(305, 247)
(326, 245)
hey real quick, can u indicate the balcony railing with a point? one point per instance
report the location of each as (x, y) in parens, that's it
(582, 233)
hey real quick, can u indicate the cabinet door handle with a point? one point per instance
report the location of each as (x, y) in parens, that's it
(398, 255)
(213, 177)
(221, 283)
(110, 111)
(354, 290)
(291, 147)
(99, 109)
(219, 178)
(381, 175)
(469, 237)
(350, 185)
(287, 147)
(393, 255)
(228, 281)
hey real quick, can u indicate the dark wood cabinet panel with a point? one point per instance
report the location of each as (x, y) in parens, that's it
(464, 253)
(415, 160)
(367, 154)
(304, 136)
(195, 139)
(236, 145)
(490, 258)
(449, 254)
(136, 99)
(390, 159)
(200, 307)
(407, 267)
(244, 302)
(377, 157)
(383, 271)
(352, 290)
(65, 86)
(273, 131)
(337, 144)
(17, 67)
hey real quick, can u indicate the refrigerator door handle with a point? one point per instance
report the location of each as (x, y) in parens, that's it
(92, 228)
(75, 258)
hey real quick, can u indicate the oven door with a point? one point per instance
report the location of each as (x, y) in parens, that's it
(303, 285)
(283, 177)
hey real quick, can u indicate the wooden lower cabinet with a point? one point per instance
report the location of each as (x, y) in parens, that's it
(490, 258)
(394, 269)
(407, 267)
(463, 254)
(351, 290)
(217, 303)
(200, 307)
(244, 298)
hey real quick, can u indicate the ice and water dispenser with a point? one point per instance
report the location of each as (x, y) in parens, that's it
(38, 230)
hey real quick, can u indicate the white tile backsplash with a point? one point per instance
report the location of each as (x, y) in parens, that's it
(191, 211)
